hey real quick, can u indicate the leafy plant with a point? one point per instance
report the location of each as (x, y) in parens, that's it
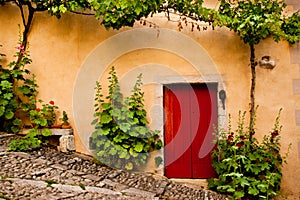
(65, 119)
(17, 92)
(121, 138)
(246, 168)
(45, 116)
(32, 140)
(40, 118)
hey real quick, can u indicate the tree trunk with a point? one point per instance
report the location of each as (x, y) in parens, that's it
(253, 65)
(27, 25)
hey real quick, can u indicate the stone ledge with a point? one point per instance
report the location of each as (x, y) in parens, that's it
(54, 131)
(66, 139)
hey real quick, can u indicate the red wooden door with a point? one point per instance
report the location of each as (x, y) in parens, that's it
(190, 115)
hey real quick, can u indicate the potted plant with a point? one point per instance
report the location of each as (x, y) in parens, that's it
(65, 121)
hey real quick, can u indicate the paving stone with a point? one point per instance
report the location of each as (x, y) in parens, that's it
(59, 167)
(24, 182)
(137, 192)
(41, 172)
(92, 177)
(101, 191)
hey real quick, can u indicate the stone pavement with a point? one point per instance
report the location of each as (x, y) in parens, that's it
(49, 174)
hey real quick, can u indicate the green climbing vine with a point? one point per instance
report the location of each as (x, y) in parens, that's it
(122, 138)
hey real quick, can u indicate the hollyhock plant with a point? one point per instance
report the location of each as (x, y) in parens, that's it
(21, 49)
(248, 169)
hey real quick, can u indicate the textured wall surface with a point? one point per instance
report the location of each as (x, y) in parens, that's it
(71, 53)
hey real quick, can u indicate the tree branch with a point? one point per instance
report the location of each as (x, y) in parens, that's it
(81, 13)
(20, 5)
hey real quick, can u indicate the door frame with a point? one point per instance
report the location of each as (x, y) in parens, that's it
(158, 120)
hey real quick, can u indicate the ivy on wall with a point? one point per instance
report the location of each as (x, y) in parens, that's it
(122, 138)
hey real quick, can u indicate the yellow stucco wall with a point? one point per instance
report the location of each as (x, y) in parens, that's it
(61, 48)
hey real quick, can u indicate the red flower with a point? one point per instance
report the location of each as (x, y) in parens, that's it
(38, 109)
(20, 47)
(230, 138)
(274, 133)
(240, 144)
(51, 102)
(242, 137)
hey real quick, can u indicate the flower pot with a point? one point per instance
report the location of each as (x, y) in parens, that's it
(66, 126)
(56, 126)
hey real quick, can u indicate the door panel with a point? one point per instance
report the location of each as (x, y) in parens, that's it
(190, 112)
(177, 141)
(206, 102)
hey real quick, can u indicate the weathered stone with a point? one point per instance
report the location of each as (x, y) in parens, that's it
(41, 172)
(62, 132)
(92, 177)
(137, 192)
(101, 191)
(66, 143)
(25, 183)
(59, 167)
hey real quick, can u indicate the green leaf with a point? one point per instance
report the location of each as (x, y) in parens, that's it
(138, 10)
(100, 143)
(239, 194)
(15, 129)
(124, 127)
(24, 90)
(133, 133)
(112, 151)
(32, 133)
(118, 139)
(105, 118)
(253, 191)
(9, 114)
(262, 187)
(17, 122)
(95, 121)
(158, 161)
(244, 182)
(133, 153)
(101, 153)
(2, 110)
(126, 146)
(139, 147)
(123, 154)
(46, 132)
(129, 166)
(105, 105)
(8, 96)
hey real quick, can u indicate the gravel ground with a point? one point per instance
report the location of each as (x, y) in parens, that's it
(49, 174)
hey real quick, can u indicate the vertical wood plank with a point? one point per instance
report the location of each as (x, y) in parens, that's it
(207, 106)
(177, 149)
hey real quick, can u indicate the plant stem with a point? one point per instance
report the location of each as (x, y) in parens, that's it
(253, 65)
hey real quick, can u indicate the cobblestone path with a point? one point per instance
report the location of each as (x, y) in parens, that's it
(49, 174)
